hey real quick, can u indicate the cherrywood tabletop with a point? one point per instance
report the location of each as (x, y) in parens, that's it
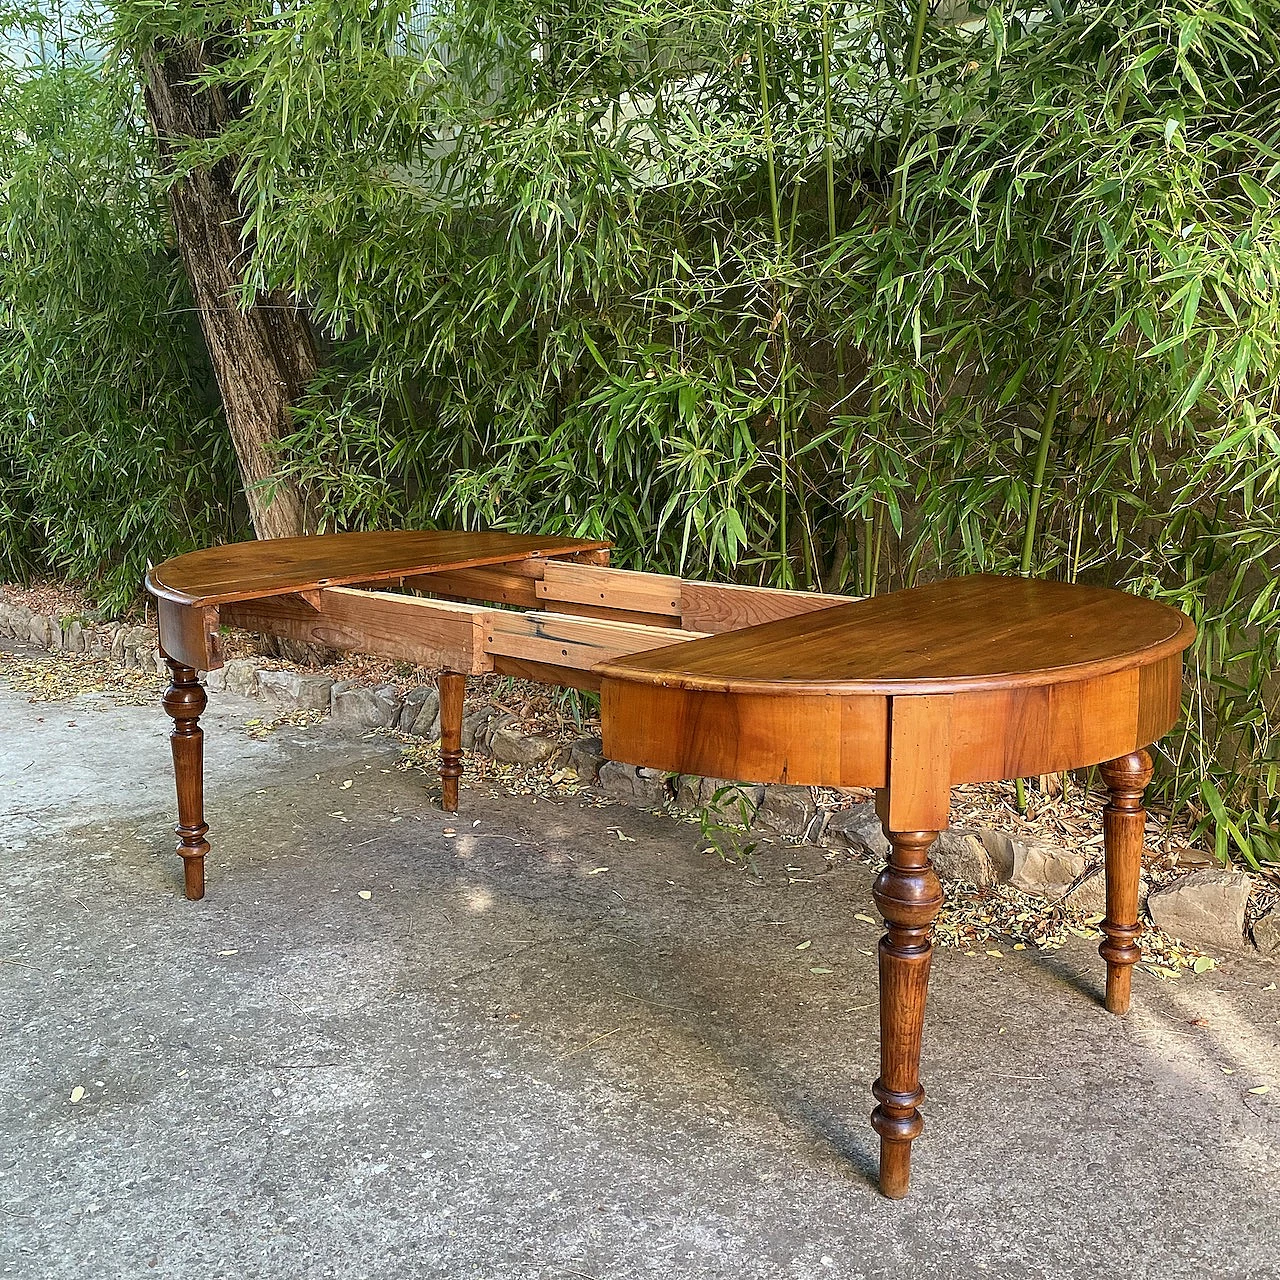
(278, 566)
(977, 632)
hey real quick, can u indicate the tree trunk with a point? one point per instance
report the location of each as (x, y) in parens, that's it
(265, 354)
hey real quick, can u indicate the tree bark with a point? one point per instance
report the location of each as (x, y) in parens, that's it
(264, 354)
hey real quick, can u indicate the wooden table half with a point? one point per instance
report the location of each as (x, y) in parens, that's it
(966, 680)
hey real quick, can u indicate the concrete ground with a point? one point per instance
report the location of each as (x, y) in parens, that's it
(505, 1062)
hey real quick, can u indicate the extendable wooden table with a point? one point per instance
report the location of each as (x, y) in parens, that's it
(967, 680)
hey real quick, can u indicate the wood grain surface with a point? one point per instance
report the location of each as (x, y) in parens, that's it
(248, 570)
(719, 606)
(433, 633)
(979, 632)
(807, 739)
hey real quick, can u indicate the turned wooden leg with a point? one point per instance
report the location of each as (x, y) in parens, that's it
(453, 689)
(185, 700)
(1123, 822)
(909, 896)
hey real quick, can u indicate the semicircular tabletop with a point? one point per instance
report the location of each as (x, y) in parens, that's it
(278, 566)
(976, 632)
(988, 677)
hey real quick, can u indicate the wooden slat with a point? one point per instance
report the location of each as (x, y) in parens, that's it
(715, 607)
(511, 584)
(594, 555)
(614, 615)
(645, 593)
(557, 640)
(545, 673)
(431, 632)
(521, 585)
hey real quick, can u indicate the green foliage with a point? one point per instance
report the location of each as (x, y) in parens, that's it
(822, 292)
(112, 448)
(724, 822)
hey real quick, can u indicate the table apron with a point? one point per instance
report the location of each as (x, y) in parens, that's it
(844, 740)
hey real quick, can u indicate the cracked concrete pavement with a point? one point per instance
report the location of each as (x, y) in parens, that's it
(504, 1063)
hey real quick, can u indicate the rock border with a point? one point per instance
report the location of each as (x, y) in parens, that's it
(1205, 908)
(129, 645)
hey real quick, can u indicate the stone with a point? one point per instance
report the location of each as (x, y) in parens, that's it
(723, 798)
(789, 811)
(999, 849)
(40, 630)
(73, 638)
(293, 689)
(15, 620)
(357, 707)
(646, 787)
(427, 725)
(136, 645)
(1044, 869)
(856, 828)
(1204, 908)
(473, 726)
(499, 720)
(117, 643)
(586, 756)
(215, 681)
(1266, 933)
(139, 641)
(240, 675)
(1089, 897)
(958, 854)
(1196, 859)
(1048, 870)
(415, 698)
(391, 696)
(511, 745)
(653, 787)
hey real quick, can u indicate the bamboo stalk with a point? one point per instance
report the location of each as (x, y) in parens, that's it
(897, 196)
(775, 210)
(829, 165)
(908, 114)
(1047, 423)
